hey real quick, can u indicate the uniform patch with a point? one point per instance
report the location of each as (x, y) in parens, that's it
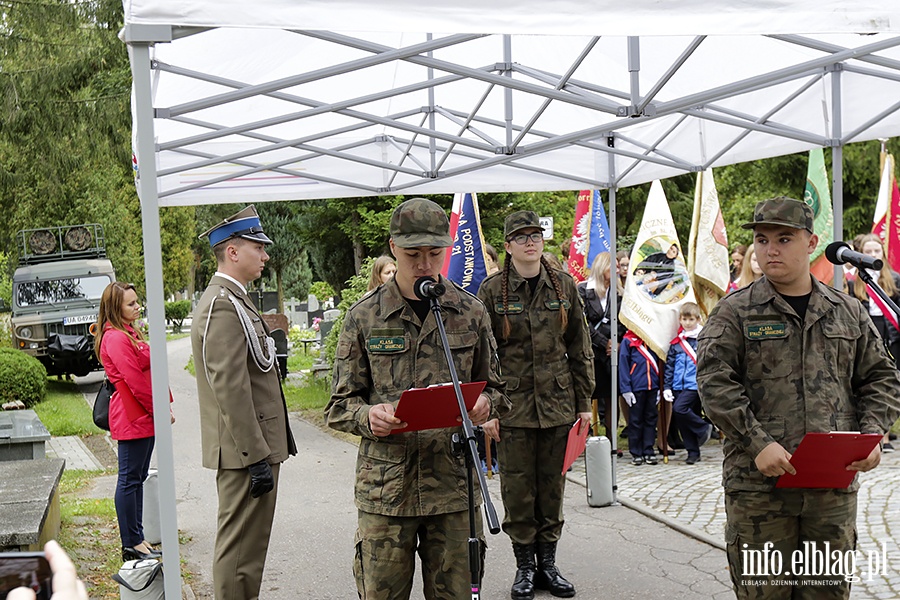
(765, 331)
(512, 309)
(384, 344)
(554, 304)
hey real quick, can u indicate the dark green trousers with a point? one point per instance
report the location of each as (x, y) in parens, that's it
(765, 531)
(386, 548)
(532, 482)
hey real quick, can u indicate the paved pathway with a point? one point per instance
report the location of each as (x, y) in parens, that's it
(611, 552)
(692, 497)
(72, 449)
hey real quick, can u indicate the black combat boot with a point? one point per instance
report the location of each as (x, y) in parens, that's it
(548, 577)
(523, 586)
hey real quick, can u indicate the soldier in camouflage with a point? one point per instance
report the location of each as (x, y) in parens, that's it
(781, 358)
(410, 486)
(547, 361)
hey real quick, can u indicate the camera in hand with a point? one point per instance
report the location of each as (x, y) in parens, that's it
(25, 569)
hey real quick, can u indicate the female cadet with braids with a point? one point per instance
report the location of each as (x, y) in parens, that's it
(546, 359)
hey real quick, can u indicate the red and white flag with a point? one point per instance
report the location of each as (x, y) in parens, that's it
(886, 223)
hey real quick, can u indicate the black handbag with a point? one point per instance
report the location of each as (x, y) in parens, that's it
(101, 404)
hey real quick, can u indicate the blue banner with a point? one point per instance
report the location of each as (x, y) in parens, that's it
(467, 264)
(598, 241)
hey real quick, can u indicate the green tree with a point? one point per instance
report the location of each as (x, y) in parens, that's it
(280, 220)
(65, 131)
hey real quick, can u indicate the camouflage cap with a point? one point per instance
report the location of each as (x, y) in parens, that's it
(782, 211)
(522, 219)
(418, 223)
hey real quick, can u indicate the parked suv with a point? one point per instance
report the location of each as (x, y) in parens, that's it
(57, 286)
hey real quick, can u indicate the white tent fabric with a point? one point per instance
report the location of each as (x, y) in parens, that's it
(247, 111)
(557, 17)
(238, 101)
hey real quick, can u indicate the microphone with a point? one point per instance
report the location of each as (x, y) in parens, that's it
(427, 287)
(839, 253)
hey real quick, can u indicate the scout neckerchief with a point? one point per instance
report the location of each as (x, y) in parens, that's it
(637, 343)
(887, 312)
(681, 340)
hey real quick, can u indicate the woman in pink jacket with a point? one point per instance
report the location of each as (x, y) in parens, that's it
(126, 359)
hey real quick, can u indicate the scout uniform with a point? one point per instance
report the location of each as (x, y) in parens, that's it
(243, 416)
(764, 376)
(410, 487)
(549, 374)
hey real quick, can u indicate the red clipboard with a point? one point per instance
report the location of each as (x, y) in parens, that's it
(575, 446)
(435, 407)
(821, 459)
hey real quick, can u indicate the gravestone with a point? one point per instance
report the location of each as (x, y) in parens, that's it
(29, 503)
(22, 435)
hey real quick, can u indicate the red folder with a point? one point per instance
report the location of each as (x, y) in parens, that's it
(821, 459)
(575, 445)
(435, 407)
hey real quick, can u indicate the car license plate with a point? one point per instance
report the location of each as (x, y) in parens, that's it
(79, 319)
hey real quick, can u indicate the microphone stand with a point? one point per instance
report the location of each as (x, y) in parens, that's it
(468, 439)
(873, 285)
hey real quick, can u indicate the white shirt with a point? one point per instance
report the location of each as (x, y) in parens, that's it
(232, 279)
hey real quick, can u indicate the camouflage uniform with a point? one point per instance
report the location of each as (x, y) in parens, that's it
(764, 376)
(549, 377)
(410, 488)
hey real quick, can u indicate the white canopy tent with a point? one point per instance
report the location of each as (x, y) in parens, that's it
(284, 100)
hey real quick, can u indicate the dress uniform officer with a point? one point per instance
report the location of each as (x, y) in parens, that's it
(545, 353)
(778, 359)
(410, 486)
(243, 417)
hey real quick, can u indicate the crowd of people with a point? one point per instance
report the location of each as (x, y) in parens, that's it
(781, 355)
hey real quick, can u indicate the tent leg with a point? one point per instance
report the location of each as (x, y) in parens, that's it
(159, 371)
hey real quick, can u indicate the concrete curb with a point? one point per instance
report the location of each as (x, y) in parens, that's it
(666, 520)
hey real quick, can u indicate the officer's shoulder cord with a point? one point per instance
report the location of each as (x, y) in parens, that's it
(264, 360)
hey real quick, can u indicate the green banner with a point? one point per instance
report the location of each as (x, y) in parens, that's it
(818, 196)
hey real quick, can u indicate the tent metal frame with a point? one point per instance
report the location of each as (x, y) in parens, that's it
(478, 149)
(474, 148)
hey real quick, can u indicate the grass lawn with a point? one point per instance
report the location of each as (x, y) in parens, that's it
(64, 411)
(89, 530)
(90, 534)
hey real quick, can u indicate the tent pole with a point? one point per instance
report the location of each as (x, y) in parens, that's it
(159, 371)
(507, 91)
(432, 145)
(614, 321)
(634, 70)
(837, 167)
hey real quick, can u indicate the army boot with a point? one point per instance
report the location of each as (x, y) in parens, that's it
(523, 586)
(548, 577)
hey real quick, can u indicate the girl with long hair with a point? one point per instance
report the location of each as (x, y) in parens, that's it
(545, 355)
(125, 357)
(595, 293)
(750, 270)
(383, 270)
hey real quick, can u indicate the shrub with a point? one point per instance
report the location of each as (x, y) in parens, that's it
(176, 313)
(22, 377)
(297, 333)
(355, 289)
(321, 290)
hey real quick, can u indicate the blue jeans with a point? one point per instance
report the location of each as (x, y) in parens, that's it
(134, 463)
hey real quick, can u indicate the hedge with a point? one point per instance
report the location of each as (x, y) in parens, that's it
(22, 377)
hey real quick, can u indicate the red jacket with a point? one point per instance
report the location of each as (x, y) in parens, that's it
(127, 366)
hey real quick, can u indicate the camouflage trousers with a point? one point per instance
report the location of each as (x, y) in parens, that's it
(385, 559)
(532, 483)
(791, 543)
